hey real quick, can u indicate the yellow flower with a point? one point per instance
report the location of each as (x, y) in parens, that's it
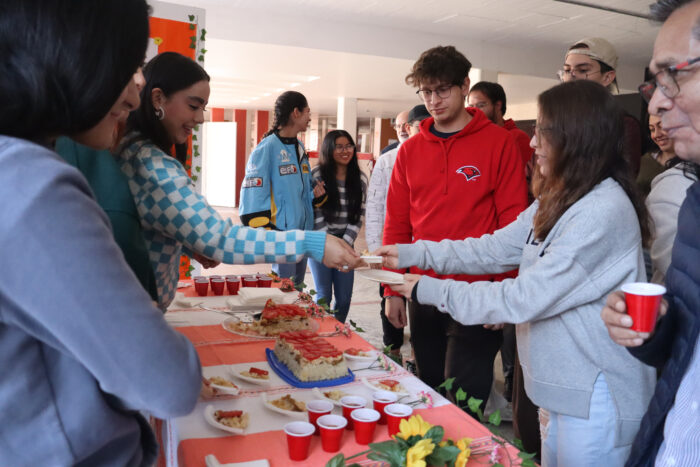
(415, 455)
(465, 452)
(157, 40)
(413, 426)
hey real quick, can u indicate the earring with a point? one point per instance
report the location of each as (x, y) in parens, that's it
(160, 113)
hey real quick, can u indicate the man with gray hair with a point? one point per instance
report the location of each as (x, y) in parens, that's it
(670, 431)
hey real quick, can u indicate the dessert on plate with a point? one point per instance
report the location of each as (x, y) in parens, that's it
(275, 318)
(232, 418)
(287, 402)
(310, 357)
(256, 373)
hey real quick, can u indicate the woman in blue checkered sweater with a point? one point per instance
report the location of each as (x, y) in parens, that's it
(174, 216)
(340, 215)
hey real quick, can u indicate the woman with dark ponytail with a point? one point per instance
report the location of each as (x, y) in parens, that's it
(277, 193)
(340, 214)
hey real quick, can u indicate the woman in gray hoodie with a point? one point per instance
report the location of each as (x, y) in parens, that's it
(580, 240)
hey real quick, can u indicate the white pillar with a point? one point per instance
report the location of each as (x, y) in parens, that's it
(479, 74)
(347, 115)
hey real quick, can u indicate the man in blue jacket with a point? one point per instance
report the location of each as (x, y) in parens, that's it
(670, 431)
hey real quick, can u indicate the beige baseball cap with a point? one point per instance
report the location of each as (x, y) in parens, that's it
(597, 48)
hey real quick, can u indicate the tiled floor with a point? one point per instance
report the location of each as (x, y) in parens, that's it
(364, 311)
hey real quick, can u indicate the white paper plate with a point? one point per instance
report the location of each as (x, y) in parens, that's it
(372, 355)
(225, 389)
(380, 275)
(289, 413)
(225, 323)
(318, 392)
(248, 379)
(372, 259)
(375, 386)
(182, 285)
(211, 419)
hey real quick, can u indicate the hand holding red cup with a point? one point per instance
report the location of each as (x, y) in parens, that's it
(643, 300)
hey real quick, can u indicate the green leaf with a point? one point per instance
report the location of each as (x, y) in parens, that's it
(191, 17)
(321, 301)
(528, 463)
(387, 451)
(337, 461)
(442, 455)
(497, 464)
(194, 137)
(526, 455)
(203, 51)
(473, 403)
(435, 433)
(495, 418)
(460, 395)
(447, 384)
(200, 58)
(194, 178)
(191, 26)
(312, 292)
(198, 169)
(518, 444)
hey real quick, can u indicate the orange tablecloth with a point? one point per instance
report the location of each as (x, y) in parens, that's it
(187, 440)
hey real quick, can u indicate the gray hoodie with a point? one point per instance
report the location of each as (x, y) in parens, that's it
(556, 300)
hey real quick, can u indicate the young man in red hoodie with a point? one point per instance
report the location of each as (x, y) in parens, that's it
(461, 176)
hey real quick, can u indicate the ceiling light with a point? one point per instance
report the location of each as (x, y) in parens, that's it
(445, 18)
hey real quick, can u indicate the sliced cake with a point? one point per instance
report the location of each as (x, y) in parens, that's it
(310, 357)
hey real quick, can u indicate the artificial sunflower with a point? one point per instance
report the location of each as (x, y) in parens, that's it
(415, 456)
(413, 426)
(464, 452)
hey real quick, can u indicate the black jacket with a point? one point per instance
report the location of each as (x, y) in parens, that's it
(672, 344)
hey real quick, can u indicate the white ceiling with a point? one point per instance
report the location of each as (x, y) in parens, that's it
(365, 48)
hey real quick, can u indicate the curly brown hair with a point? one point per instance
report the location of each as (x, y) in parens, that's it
(443, 64)
(584, 126)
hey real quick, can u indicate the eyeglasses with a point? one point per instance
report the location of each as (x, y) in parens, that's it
(665, 80)
(537, 130)
(347, 147)
(442, 91)
(575, 73)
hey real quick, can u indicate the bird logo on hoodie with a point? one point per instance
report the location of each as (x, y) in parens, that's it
(469, 171)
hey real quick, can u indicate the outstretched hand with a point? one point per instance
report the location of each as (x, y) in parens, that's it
(409, 281)
(390, 256)
(339, 255)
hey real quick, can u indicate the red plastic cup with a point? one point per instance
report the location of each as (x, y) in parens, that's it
(197, 278)
(264, 281)
(332, 428)
(217, 286)
(643, 300)
(233, 283)
(318, 408)
(201, 286)
(394, 414)
(298, 439)
(349, 404)
(365, 421)
(211, 278)
(381, 399)
(250, 281)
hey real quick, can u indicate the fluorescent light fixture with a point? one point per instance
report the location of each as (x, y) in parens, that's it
(445, 18)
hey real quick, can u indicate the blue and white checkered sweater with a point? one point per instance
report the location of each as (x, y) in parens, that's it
(174, 216)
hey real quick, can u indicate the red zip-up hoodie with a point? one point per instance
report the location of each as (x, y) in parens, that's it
(522, 140)
(467, 185)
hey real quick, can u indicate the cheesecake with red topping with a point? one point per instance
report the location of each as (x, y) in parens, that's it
(278, 318)
(310, 357)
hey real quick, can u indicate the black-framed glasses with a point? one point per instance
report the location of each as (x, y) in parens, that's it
(443, 92)
(665, 80)
(575, 73)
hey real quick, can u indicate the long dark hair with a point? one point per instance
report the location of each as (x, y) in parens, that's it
(353, 179)
(284, 106)
(170, 72)
(64, 63)
(584, 126)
